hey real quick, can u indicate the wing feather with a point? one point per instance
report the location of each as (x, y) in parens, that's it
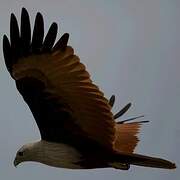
(38, 33)
(25, 32)
(50, 38)
(90, 108)
(53, 79)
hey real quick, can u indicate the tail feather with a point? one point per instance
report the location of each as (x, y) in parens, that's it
(147, 161)
(126, 137)
(125, 143)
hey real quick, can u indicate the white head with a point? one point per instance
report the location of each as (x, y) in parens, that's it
(49, 153)
(25, 153)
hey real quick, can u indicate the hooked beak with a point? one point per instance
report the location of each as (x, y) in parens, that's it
(16, 162)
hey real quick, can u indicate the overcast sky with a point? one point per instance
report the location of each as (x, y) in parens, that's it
(131, 49)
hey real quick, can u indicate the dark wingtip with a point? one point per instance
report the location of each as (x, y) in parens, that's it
(122, 111)
(5, 43)
(131, 119)
(25, 32)
(13, 21)
(39, 15)
(7, 53)
(38, 33)
(39, 19)
(4, 37)
(54, 26)
(65, 39)
(50, 38)
(14, 37)
(112, 100)
(62, 43)
(13, 16)
(24, 10)
(13, 24)
(66, 35)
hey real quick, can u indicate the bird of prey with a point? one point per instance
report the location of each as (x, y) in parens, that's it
(77, 127)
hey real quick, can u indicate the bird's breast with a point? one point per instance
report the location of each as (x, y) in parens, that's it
(58, 155)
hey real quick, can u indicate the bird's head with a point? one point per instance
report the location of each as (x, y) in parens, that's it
(23, 154)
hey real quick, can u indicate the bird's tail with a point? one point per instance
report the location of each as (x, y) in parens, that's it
(123, 161)
(125, 143)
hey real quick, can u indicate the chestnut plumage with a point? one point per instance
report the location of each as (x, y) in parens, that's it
(77, 127)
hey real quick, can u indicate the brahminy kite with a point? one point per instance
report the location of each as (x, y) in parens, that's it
(77, 127)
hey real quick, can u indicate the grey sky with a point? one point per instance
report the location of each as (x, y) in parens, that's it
(132, 50)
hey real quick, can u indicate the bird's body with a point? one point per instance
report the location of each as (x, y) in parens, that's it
(77, 127)
(66, 155)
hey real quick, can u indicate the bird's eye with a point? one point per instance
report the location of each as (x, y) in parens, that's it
(20, 153)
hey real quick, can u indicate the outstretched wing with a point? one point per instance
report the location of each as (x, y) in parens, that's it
(55, 85)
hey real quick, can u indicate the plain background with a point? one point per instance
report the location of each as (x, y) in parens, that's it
(132, 49)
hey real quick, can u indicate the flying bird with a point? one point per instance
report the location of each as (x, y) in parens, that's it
(77, 128)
